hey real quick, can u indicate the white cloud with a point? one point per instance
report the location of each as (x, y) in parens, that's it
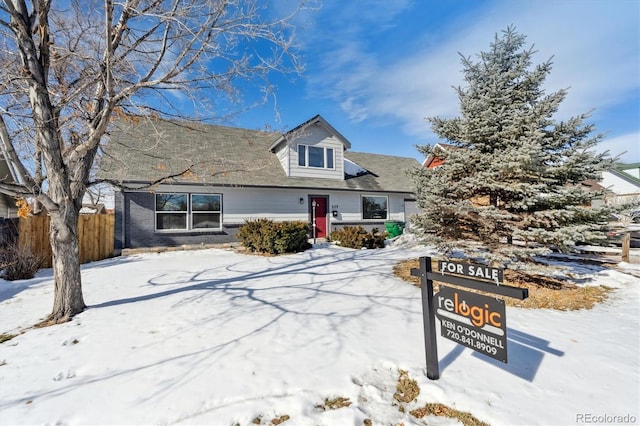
(595, 49)
(355, 111)
(618, 145)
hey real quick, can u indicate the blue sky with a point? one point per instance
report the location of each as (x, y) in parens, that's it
(376, 68)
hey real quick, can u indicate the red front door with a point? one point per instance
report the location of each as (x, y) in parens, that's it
(319, 216)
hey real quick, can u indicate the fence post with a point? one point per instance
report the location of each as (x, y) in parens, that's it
(626, 244)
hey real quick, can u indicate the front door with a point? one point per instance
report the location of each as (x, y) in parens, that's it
(318, 217)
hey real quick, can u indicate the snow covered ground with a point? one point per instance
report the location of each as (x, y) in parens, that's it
(219, 338)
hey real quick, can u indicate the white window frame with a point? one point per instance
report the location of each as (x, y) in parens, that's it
(189, 213)
(159, 212)
(362, 197)
(325, 150)
(192, 213)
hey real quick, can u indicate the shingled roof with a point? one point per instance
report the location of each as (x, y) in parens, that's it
(144, 151)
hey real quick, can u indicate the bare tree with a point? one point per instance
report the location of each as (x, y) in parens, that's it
(70, 67)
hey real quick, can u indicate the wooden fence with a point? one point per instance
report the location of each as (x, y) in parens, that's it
(95, 235)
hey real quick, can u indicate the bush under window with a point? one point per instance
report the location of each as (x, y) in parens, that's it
(357, 237)
(267, 236)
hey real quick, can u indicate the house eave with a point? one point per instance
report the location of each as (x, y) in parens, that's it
(144, 188)
(625, 176)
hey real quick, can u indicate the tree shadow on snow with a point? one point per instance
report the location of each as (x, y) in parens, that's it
(247, 299)
(9, 289)
(307, 290)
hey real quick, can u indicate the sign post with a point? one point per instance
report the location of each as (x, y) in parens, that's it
(429, 320)
(475, 321)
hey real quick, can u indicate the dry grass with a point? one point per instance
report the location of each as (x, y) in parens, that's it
(6, 336)
(406, 389)
(334, 404)
(276, 421)
(544, 292)
(279, 420)
(437, 409)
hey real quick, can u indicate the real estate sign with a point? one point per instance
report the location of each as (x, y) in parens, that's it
(479, 272)
(476, 321)
(472, 320)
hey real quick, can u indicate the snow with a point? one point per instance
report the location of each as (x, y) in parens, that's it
(215, 337)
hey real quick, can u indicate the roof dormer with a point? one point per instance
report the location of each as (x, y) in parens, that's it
(313, 149)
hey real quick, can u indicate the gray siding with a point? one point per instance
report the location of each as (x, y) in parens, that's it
(8, 206)
(139, 221)
(318, 137)
(410, 209)
(283, 156)
(118, 236)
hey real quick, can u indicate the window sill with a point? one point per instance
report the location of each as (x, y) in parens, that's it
(316, 168)
(188, 231)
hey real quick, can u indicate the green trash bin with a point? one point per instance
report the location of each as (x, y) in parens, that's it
(394, 228)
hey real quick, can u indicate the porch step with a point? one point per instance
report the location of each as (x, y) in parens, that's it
(318, 240)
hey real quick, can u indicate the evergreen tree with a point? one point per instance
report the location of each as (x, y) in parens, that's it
(511, 181)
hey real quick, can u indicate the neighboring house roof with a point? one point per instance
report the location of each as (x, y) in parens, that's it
(628, 172)
(593, 185)
(143, 151)
(97, 208)
(632, 169)
(620, 181)
(433, 160)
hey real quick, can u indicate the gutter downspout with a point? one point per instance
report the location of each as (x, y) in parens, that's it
(123, 233)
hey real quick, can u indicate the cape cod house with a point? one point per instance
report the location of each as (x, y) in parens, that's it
(188, 183)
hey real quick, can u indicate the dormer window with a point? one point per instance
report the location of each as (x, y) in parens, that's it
(315, 156)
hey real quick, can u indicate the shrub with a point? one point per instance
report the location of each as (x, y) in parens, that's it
(357, 237)
(19, 263)
(267, 236)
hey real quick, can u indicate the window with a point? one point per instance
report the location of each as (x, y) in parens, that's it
(188, 211)
(205, 211)
(171, 211)
(329, 158)
(374, 207)
(315, 156)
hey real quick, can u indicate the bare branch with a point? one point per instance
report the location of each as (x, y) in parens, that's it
(70, 68)
(156, 182)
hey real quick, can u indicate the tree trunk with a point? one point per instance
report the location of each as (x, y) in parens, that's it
(68, 300)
